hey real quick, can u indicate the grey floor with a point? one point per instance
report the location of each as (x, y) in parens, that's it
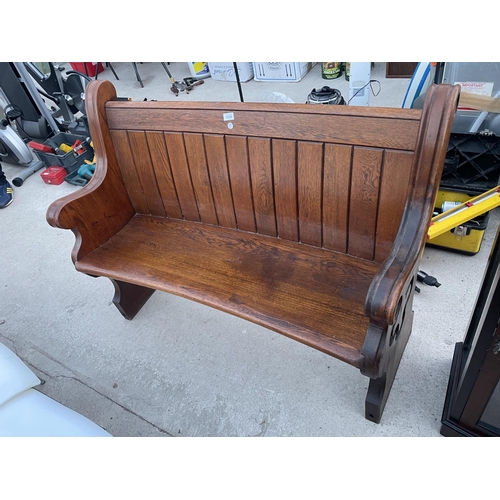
(183, 369)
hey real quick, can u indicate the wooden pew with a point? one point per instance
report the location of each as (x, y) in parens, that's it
(309, 220)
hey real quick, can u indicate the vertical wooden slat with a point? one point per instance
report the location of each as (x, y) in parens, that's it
(145, 172)
(285, 188)
(259, 151)
(309, 182)
(239, 173)
(129, 172)
(197, 162)
(393, 193)
(180, 171)
(221, 188)
(161, 165)
(336, 181)
(364, 202)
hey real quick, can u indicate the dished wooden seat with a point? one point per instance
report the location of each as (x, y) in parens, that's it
(308, 220)
(303, 292)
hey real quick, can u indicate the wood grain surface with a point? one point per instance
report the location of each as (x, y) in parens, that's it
(200, 177)
(241, 184)
(308, 220)
(181, 175)
(343, 198)
(373, 129)
(285, 189)
(314, 296)
(163, 173)
(259, 150)
(221, 188)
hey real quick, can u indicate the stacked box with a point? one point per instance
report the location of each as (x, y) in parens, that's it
(224, 71)
(281, 71)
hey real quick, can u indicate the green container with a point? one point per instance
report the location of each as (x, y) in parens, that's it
(331, 70)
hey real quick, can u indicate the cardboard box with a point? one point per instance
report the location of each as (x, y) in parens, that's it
(281, 71)
(224, 71)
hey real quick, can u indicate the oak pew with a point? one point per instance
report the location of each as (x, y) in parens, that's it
(309, 220)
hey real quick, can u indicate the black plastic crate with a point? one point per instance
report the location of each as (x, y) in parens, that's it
(472, 163)
(70, 161)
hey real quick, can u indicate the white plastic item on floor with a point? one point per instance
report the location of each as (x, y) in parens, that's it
(15, 376)
(25, 412)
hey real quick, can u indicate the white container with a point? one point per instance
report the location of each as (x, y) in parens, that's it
(359, 84)
(224, 71)
(281, 71)
(199, 69)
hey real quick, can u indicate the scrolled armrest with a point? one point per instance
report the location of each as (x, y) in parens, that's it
(102, 207)
(390, 281)
(433, 137)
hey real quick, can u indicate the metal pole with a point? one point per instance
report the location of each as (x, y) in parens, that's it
(238, 81)
(33, 167)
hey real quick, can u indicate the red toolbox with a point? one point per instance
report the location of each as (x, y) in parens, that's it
(87, 68)
(54, 175)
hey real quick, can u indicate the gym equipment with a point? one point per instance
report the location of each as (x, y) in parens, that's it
(66, 91)
(24, 109)
(14, 150)
(24, 106)
(33, 120)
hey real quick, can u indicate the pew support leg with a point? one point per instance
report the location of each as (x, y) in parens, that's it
(130, 298)
(380, 388)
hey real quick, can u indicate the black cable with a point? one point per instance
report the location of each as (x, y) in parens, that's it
(427, 279)
(371, 88)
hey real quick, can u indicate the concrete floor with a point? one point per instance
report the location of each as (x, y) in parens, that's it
(183, 369)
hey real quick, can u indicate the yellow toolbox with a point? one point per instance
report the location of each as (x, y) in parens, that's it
(468, 236)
